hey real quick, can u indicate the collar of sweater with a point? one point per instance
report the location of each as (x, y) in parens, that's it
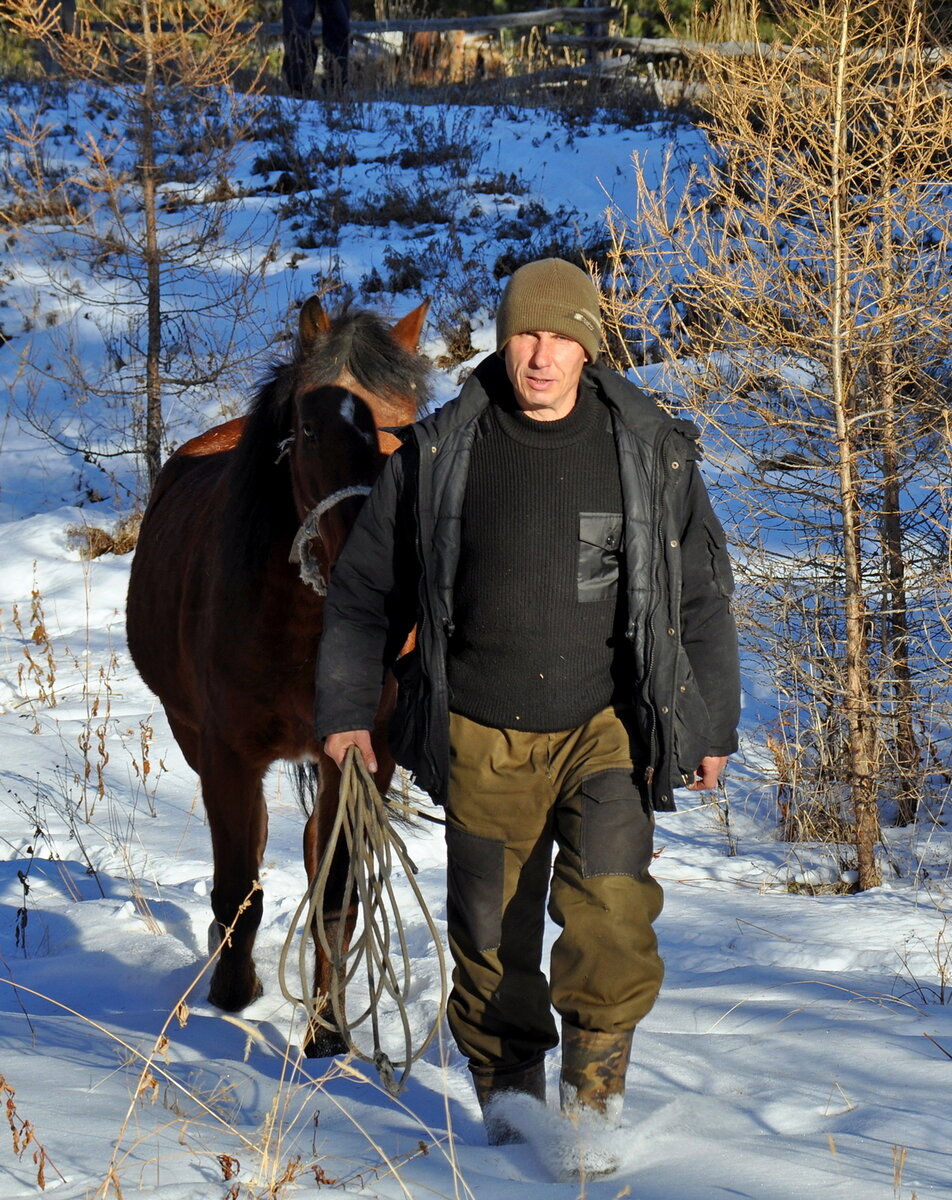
(566, 431)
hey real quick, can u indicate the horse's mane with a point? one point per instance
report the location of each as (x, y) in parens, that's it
(259, 501)
(361, 343)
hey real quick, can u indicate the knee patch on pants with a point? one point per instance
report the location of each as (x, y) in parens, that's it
(617, 828)
(474, 885)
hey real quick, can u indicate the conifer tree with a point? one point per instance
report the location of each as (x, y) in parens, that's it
(796, 290)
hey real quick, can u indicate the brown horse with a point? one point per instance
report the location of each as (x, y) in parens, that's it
(224, 629)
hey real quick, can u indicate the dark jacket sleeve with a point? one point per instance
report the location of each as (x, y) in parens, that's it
(370, 607)
(708, 632)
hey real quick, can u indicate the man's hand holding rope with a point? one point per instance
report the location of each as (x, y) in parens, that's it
(337, 744)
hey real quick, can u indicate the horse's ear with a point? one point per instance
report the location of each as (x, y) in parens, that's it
(313, 320)
(408, 329)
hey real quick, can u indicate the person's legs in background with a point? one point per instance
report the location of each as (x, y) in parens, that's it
(300, 46)
(335, 36)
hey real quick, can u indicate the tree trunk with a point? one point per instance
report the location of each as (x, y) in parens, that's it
(858, 701)
(908, 758)
(896, 601)
(154, 424)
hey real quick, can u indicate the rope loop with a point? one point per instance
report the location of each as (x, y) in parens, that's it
(301, 552)
(379, 945)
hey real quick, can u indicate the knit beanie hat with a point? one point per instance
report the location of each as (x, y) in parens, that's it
(554, 296)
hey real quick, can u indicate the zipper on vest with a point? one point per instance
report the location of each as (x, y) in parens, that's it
(424, 532)
(676, 635)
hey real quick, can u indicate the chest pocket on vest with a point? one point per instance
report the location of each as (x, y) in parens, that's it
(599, 548)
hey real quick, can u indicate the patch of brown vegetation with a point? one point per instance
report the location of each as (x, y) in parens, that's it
(93, 542)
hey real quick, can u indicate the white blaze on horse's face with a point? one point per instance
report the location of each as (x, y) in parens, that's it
(348, 411)
(334, 460)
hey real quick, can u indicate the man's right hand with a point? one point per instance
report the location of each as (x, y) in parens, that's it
(337, 744)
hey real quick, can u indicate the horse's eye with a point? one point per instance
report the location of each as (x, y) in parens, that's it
(308, 430)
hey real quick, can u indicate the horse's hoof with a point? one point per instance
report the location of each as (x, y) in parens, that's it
(325, 1043)
(233, 999)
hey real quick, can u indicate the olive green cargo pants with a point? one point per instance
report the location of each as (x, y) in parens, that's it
(512, 795)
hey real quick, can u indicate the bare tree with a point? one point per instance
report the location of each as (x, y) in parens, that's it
(795, 289)
(167, 75)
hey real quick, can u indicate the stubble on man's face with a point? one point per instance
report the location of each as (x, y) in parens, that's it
(544, 369)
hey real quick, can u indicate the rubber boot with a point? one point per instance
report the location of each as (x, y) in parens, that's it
(593, 1068)
(591, 1087)
(527, 1079)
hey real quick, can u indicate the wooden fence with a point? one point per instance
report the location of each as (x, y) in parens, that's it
(594, 17)
(597, 16)
(594, 40)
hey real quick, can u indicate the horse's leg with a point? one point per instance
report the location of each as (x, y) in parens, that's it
(321, 1042)
(188, 741)
(238, 821)
(338, 922)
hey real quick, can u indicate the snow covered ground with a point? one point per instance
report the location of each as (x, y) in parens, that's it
(801, 1045)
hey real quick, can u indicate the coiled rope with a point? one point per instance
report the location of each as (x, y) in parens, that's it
(379, 945)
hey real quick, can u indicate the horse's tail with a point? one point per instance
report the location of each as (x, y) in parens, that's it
(305, 779)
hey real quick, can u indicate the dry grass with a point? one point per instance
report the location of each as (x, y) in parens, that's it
(25, 1139)
(93, 542)
(269, 1162)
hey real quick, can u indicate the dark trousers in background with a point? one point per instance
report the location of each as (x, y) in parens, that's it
(512, 796)
(300, 46)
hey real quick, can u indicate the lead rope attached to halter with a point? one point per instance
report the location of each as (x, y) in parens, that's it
(373, 850)
(301, 552)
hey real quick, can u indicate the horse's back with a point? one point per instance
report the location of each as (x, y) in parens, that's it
(197, 455)
(212, 441)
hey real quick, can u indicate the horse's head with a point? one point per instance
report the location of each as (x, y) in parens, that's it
(334, 458)
(354, 377)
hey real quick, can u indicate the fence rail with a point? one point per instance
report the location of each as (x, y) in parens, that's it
(521, 20)
(583, 15)
(595, 18)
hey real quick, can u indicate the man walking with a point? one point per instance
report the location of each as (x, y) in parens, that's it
(549, 535)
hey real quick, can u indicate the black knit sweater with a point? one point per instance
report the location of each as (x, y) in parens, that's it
(537, 613)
